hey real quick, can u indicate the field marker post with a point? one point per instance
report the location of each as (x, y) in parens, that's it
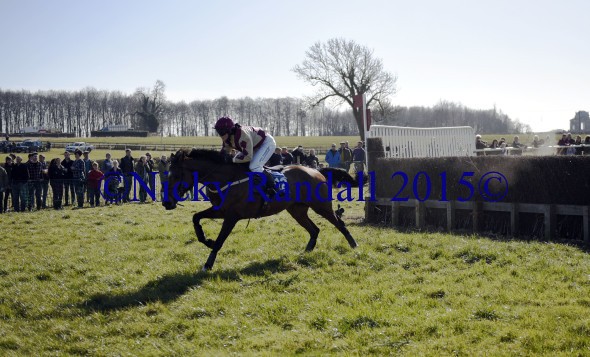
(549, 220)
(586, 223)
(450, 215)
(395, 213)
(420, 214)
(514, 218)
(476, 214)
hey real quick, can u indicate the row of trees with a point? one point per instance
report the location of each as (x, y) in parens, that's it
(83, 111)
(445, 113)
(340, 69)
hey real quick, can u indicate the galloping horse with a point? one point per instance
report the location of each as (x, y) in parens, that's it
(239, 203)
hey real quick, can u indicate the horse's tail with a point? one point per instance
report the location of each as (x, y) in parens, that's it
(339, 175)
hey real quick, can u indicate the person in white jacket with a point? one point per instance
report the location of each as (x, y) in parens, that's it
(252, 145)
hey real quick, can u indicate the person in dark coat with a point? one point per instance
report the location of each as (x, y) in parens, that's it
(127, 166)
(57, 174)
(275, 158)
(311, 160)
(8, 191)
(287, 157)
(298, 155)
(20, 177)
(68, 180)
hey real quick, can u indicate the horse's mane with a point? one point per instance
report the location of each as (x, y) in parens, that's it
(214, 156)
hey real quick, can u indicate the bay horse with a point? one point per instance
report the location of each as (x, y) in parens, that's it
(212, 166)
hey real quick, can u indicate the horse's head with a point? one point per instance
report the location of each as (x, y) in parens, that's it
(180, 179)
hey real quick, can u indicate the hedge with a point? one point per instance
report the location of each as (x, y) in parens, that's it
(530, 179)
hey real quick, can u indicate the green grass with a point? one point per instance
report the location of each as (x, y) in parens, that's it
(99, 154)
(126, 280)
(289, 141)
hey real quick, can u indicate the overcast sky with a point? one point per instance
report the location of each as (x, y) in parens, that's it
(530, 59)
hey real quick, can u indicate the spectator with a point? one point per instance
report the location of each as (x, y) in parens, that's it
(494, 145)
(3, 187)
(94, 179)
(562, 142)
(517, 145)
(79, 178)
(8, 191)
(536, 142)
(69, 187)
(141, 168)
(480, 145)
(586, 148)
(503, 147)
(275, 158)
(151, 165)
(287, 157)
(35, 175)
(579, 150)
(57, 174)
(345, 156)
(298, 155)
(358, 157)
(127, 168)
(44, 180)
(87, 168)
(115, 186)
(163, 167)
(107, 164)
(20, 177)
(569, 139)
(333, 157)
(311, 160)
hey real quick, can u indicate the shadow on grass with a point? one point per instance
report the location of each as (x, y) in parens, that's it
(170, 287)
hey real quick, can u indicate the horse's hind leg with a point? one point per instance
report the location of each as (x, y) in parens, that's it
(299, 212)
(324, 209)
(208, 213)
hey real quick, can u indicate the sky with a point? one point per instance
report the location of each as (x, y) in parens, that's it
(529, 59)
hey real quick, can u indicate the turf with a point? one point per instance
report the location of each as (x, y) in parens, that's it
(126, 280)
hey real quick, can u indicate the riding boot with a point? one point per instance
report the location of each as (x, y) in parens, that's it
(270, 184)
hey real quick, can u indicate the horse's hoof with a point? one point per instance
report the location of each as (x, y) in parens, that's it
(206, 268)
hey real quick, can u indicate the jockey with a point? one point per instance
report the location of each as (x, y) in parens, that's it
(252, 144)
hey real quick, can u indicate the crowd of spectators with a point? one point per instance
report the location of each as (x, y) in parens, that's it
(24, 186)
(567, 145)
(570, 146)
(79, 181)
(342, 158)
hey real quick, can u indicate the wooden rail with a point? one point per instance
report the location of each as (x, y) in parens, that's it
(549, 211)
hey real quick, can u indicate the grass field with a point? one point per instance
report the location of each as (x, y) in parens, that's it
(207, 141)
(126, 280)
(289, 141)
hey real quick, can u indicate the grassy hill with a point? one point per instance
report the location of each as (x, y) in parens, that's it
(126, 279)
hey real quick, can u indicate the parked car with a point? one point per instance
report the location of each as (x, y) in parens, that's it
(80, 145)
(6, 146)
(30, 146)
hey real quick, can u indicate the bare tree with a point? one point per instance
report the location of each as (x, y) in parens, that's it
(150, 103)
(344, 69)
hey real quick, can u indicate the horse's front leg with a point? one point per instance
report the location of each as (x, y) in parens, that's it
(208, 213)
(226, 228)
